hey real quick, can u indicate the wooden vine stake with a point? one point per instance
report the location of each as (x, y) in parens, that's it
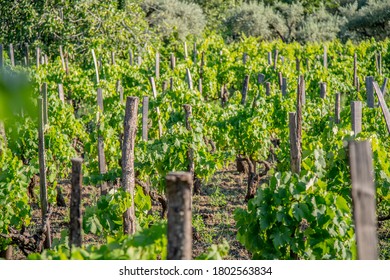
(131, 57)
(96, 66)
(269, 58)
(179, 185)
(44, 98)
(276, 58)
(173, 62)
(113, 58)
(61, 93)
(355, 82)
(267, 88)
(322, 90)
(370, 91)
(284, 86)
(295, 154)
(154, 90)
(356, 115)
(145, 110)
(190, 153)
(189, 79)
(75, 222)
(42, 172)
(325, 57)
(128, 173)
(363, 199)
(27, 54)
(302, 88)
(382, 103)
(101, 155)
(244, 91)
(62, 58)
(337, 108)
(11, 55)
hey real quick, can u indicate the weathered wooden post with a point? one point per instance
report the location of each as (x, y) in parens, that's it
(297, 65)
(131, 57)
(322, 90)
(295, 154)
(189, 79)
(195, 53)
(356, 115)
(44, 98)
(113, 58)
(173, 62)
(75, 222)
(269, 58)
(370, 91)
(267, 88)
(11, 55)
(280, 80)
(276, 58)
(38, 57)
(128, 172)
(244, 58)
(154, 90)
(382, 103)
(355, 70)
(244, 91)
(27, 54)
(96, 67)
(260, 78)
(62, 58)
(302, 88)
(42, 171)
(325, 57)
(363, 198)
(337, 108)
(284, 86)
(61, 92)
(145, 110)
(101, 154)
(179, 185)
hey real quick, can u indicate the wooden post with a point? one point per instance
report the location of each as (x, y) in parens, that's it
(27, 54)
(38, 57)
(356, 115)
(363, 198)
(11, 55)
(131, 57)
(260, 78)
(267, 88)
(145, 110)
(276, 58)
(382, 103)
(190, 153)
(244, 91)
(189, 79)
(139, 60)
(337, 108)
(171, 83)
(157, 66)
(284, 86)
(154, 90)
(66, 64)
(244, 58)
(101, 155)
(301, 87)
(280, 80)
(173, 62)
(269, 58)
(112, 58)
(297, 65)
(61, 92)
(165, 86)
(62, 58)
(378, 63)
(96, 67)
(355, 70)
(195, 53)
(185, 51)
(370, 91)
(384, 87)
(42, 171)
(1, 56)
(322, 90)
(75, 222)
(325, 57)
(128, 172)
(201, 66)
(179, 185)
(44, 97)
(295, 154)
(200, 87)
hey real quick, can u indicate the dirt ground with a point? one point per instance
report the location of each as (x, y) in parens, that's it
(213, 212)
